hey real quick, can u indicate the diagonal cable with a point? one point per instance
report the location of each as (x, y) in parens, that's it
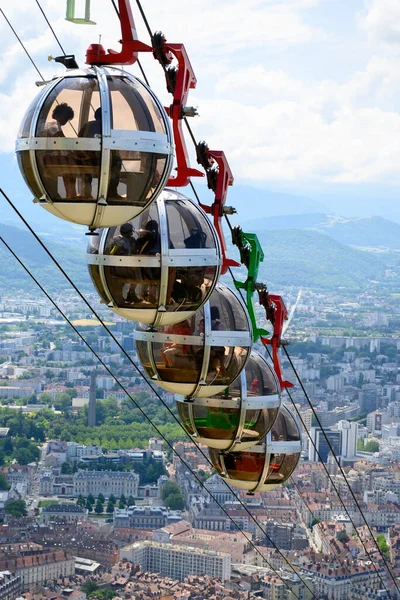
(341, 468)
(110, 333)
(51, 28)
(110, 372)
(328, 474)
(193, 138)
(22, 44)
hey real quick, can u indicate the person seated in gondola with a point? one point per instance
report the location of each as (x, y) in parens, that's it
(93, 129)
(61, 115)
(188, 281)
(171, 351)
(149, 243)
(124, 244)
(217, 353)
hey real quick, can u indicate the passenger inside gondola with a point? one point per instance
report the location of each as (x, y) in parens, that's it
(173, 353)
(124, 244)
(61, 115)
(93, 129)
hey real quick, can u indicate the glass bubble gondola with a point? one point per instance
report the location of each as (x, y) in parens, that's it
(160, 267)
(267, 464)
(241, 415)
(202, 355)
(95, 147)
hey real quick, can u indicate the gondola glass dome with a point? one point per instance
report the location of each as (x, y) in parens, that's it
(95, 147)
(202, 355)
(267, 464)
(160, 267)
(238, 417)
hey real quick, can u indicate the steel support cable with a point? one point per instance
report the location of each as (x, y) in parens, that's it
(154, 390)
(227, 220)
(31, 59)
(123, 350)
(137, 60)
(334, 484)
(306, 504)
(22, 44)
(326, 469)
(336, 491)
(324, 535)
(143, 17)
(226, 217)
(340, 468)
(110, 372)
(100, 320)
(185, 119)
(51, 28)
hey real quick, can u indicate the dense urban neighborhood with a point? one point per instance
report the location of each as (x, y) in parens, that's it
(93, 501)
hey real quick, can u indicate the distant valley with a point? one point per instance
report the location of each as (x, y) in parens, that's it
(365, 232)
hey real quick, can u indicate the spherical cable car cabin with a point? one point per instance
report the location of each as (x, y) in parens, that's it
(241, 415)
(160, 267)
(267, 464)
(202, 355)
(95, 147)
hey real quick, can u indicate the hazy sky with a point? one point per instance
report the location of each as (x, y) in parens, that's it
(300, 93)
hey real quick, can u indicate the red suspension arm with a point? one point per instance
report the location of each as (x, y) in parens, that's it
(96, 54)
(276, 312)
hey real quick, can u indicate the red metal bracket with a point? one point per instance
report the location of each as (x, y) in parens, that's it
(179, 85)
(96, 54)
(179, 81)
(277, 314)
(219, 178)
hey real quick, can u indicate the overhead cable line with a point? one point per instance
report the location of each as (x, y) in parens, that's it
(22, 44)
(110, 333)
(137, 60)
(51, 28)
(227, 220)
(110, 372)
(192, 136)
(367, 552)
(230, 227)
(325, 467)
(341, 468)
(143, 376)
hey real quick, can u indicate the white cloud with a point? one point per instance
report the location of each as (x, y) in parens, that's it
(381, 20)
(213, 37)
(272, 125)
(279, 128)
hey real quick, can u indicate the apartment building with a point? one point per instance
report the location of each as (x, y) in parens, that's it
(178, 561)
(40, 568)
(106, 483)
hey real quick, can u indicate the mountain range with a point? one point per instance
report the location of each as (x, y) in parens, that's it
(304, 243)
(12, 275)
(366, 232)
(292, 257)
(312, 259)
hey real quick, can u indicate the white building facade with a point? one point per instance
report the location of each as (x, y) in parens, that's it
(178, 561)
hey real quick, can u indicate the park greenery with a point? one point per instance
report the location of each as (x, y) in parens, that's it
(371, 446)
(98, 506)
(92, 591)
(343, 537)
(383, 545)
(15, 508)
(116, 427)
(172, 496)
